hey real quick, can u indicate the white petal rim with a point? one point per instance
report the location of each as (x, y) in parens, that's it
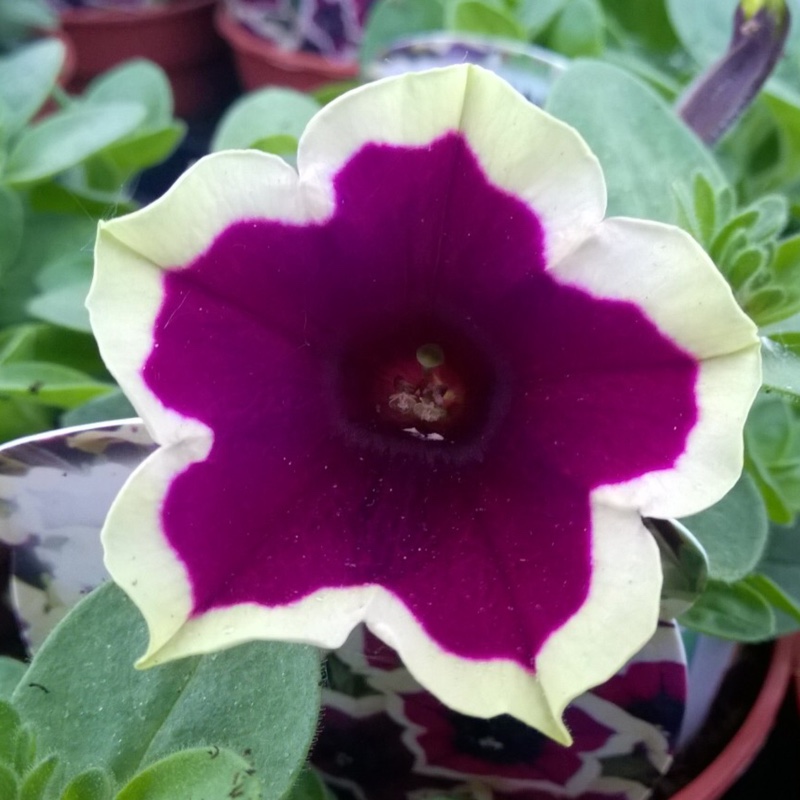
(666, 273)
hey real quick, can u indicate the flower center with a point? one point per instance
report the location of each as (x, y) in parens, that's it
(402, 383)
(423, 395)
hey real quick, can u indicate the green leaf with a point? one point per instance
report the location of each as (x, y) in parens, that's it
(64, 306)
(645, 150)
(780, 363)
(63, 196)
(27, 76)
(705, 208)
(260, 700)
(684, 566)
(10, 724)
(309, 786)
(113, 405)
(69, 137)
(26, 751)
(772, 216)
(785, 269)
(485, 19)
(262, 114)
(579, 30)
(775, 596)
(280, 145)
(536, 15)
(11, 672)
(781, 564)
(39, 342)
(733, 532)
(731, 611)
(705, 28)
(11, 222)
(212, 773)
(391, 20)
(772, 454)
(745, 266)
(18, 20)
(142, 150)
(9, 785)
(139, 82)
(46, 238)
(646, 21)
(35, 783)
(94, 784)
(772, 432)
(19, 418)
(48, 384)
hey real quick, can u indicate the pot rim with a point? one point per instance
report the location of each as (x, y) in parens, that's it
(120, 16)
(746, 743)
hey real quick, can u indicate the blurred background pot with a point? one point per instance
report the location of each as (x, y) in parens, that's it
(179, 37)
(262, 62)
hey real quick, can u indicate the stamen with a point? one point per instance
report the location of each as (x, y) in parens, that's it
(430, 356)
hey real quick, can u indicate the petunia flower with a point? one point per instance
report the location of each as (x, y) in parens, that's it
(421, 384)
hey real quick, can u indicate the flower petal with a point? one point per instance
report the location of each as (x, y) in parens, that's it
(665, 273)
(565, 188)
(219, 190)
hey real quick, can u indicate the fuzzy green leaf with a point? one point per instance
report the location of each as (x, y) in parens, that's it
(48, 384)
(579, 30)
(35, 783)
(10, 724)
(309, 786)
(64, 306)
(212, 773)
(733, 532)
(137, 81)
(94, 784)
(68, 138)
(390, 20)
(731, 611)
(260, 700)
(145, 149)
(11, 672)
(11, 223)
(705, 207)
(781, 363)
(9, 785)
(262, 114)
(644, 148)
(775, 596)
(114, 405)
(482, 18)
(781, 564)
(27, 76)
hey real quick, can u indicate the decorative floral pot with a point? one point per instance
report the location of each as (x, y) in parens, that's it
(179, 37)
(262, 63)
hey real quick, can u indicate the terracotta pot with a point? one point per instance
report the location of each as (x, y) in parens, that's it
(179, 37)
(747, 742)
(261, 63)
(797, 670)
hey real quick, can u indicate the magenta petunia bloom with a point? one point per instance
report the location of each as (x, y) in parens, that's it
(421, 384)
